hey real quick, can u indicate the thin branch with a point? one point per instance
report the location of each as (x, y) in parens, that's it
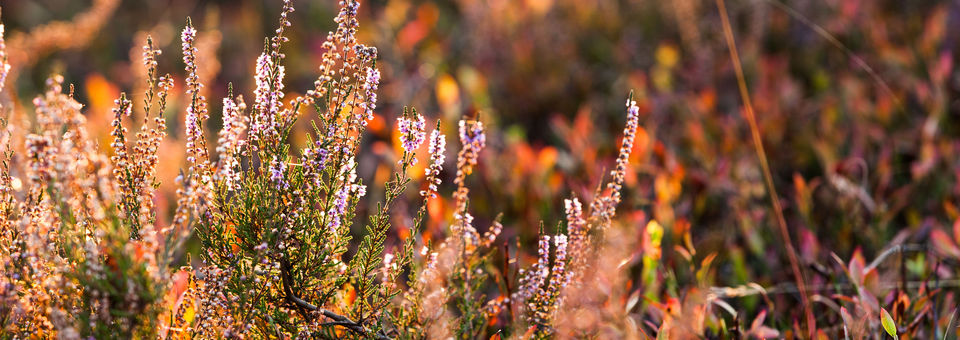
(338, 320)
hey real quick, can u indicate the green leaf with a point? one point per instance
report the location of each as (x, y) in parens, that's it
(888, 325)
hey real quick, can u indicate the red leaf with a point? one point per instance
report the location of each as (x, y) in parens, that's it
(956, 230)
(943, 243)
(758, 321)
(765, 332)
(856, 267)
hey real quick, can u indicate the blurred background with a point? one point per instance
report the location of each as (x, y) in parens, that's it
(858, 104)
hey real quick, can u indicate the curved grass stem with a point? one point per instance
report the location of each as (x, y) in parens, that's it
(765, 167)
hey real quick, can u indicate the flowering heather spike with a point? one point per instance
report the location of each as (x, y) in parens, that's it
(341, 49)
(231, 141)
(144, 157)
(197, 109)
(159, 130)
(4, 65)
(120, 158)
(629, 133)
(491, 235)
(277, 40)
(195, 191)
(371, 82)
(314, 161)
(544, 303)
(531, 281)
(472, 140)
(577, 227)
(268, 116)
(39, 154)
(558, 276)
(150, 56)
(188, 39)
(134, 172)
(150, 64)
(262, 119)
(347, 178)
(543, 259)
(411, 127)
(277, 169)
(605, 206)
(269, 94)
(437, 150)
(575, 222)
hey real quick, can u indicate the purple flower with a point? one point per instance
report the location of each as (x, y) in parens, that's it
(605, 207)
(4, 66)
(188, 38)
(575, 222)
(531, 281)
(438, 144)
(230, 142)
(543, 260)
(277, 168)
(370, 84)
(472, 140)
(197, 109)
(412, 132)
(348, 178)
(558, 279)
(472, 135)
(492, 233)
(339, 208)
(268, 94)
(315, 160)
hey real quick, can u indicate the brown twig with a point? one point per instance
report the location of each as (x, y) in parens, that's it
(338, 320)
(765, 166)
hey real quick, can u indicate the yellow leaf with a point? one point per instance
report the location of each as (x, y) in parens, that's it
(667, 55)
(448, 93)
(888, 325)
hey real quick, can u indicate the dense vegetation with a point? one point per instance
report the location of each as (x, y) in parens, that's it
(785, 177)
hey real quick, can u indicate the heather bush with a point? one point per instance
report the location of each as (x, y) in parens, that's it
(84, 255)
(273, 233)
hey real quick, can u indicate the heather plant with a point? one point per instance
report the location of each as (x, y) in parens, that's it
(291, 241)
(275, 227)
(80, 258)
(84, 255)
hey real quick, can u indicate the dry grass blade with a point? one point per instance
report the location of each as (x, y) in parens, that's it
(950, 328)
(765, 166)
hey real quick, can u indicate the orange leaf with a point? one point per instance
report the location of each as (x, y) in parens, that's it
(956, 230)
(856, 267)
(351, 293)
